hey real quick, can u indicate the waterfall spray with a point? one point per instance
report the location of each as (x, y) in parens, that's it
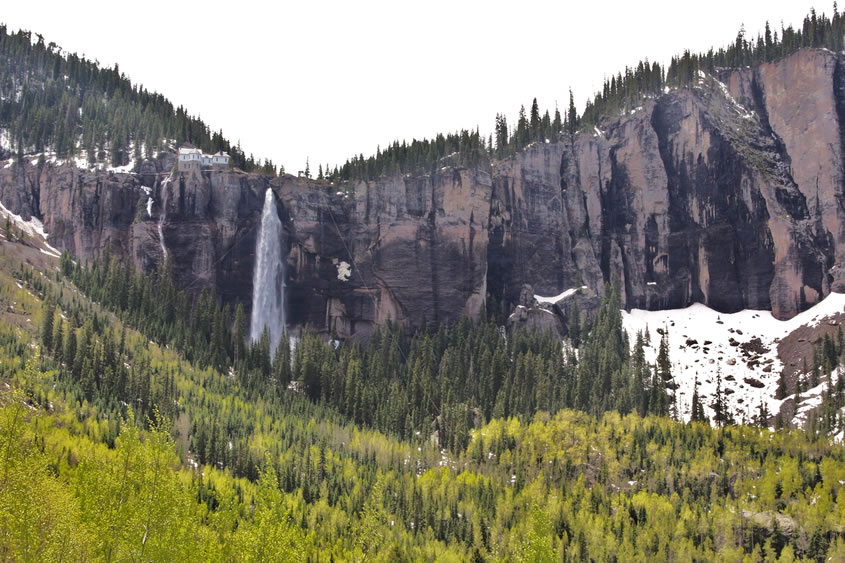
(268, 279)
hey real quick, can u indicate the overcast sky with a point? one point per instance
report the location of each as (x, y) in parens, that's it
(327, 80)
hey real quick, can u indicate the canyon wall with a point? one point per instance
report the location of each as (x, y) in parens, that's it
(729, 193)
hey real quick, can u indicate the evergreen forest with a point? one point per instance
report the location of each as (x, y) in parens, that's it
(139, 423)
(158, 433)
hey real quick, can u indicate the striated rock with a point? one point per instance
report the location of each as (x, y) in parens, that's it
(727, 193)
(403, 248)
(553, 314)
(770, 522)
(533, 316)
(588, 306)
(693, 198)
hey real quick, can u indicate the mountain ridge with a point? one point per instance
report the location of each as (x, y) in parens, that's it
(693, 183)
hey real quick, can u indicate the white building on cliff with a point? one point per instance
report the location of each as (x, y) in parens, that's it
(191, 158)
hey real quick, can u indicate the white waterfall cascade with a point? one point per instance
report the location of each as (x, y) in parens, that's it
(268, 279)
(161, 217)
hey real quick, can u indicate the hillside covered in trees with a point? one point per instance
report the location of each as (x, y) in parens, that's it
(138, 423)
(458, 443)
(620, 93)
(53, 99)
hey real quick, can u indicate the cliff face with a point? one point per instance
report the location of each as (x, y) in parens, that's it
(403, 248)
(727, 193)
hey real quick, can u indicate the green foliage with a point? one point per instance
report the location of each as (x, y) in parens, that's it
(603, 374)
(269, 535)
(235, 464)
(627, 89)
(51, 98)
(30, 528)
(464, 148)
(545, 487)
(135, 503)
(198, 324)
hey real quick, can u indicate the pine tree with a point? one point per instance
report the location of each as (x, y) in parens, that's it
(47, 324)
(557, 125)
(536, 129)
(697, 409)
(640, 376)
(720, 410)
(501, 135)
(769, 43)
(58, 339)
(546, 127)
(523, 134)
(763, 415)
(575, 323)
(657, 398)
(664, 366)
(238, 333)
(572, 115)
(781, 390)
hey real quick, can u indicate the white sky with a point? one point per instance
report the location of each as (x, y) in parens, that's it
(327, 80)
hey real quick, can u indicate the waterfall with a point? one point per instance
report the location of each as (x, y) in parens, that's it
(268, 278)
(161, 217)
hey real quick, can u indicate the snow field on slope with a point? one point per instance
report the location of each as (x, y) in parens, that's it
(33, 228)
(741, 346)
(556, 298)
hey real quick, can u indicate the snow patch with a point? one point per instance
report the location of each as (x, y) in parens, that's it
(741, 346)
(739, 108)
(344, 271)
(81, 161)
(125, 169)
(33, 228)
(556, 298)
(813, 398)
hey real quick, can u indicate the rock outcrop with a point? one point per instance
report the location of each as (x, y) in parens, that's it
(535, 312)
(403, 248)
(693, 197)
(728, 193)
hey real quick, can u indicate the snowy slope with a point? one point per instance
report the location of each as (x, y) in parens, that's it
(33, 228)
(556, 298)
(741, 346)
